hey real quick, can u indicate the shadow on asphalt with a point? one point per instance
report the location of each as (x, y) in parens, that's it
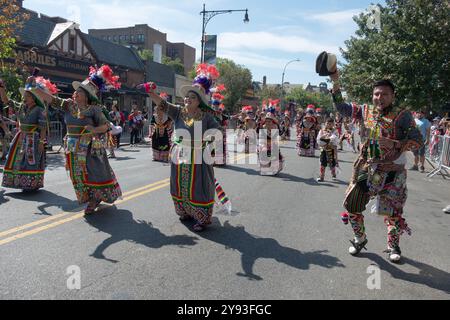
(51, 200)
(428, 275)
(121, 226)
(2, 197)
(121, 158)
(253, 248)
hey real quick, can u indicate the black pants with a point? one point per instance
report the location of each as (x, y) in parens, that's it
(117, 137)
(134, 137)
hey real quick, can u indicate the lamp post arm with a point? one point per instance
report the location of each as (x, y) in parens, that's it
(207, 16)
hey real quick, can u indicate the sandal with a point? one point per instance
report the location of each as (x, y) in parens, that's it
(90, 209)
(185, 218)
(357, 247)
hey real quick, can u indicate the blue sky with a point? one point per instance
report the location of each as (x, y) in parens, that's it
(279, 31)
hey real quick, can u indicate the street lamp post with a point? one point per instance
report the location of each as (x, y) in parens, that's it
(282, 80)
(208, 15)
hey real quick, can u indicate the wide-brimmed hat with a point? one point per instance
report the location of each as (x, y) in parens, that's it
(39, 88)
(271, 116)
(100, 80)
(311, 117)
(326, 64)
(184, 90)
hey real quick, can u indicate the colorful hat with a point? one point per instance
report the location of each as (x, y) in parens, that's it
(100, 80)
(311, 117)
(247, 109)
(326, 64)
(217, 98)
(271, 116)
(39, 87)
(206, 75)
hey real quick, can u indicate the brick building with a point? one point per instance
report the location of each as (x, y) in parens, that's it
(64, 54)
(141, 36)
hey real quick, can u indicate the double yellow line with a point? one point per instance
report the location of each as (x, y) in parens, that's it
(45, 224)
(35, 227)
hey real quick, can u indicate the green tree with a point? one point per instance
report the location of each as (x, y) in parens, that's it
(269, 92)
(237, 79)
(176, 65)
(146, 54)
(303, 98)
(11, 20)
(411, 49)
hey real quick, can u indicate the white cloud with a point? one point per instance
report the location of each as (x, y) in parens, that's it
(272, 41)
(250, 59)
(335, 18)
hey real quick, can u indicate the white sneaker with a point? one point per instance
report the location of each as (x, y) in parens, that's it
(357, 245)
(395, 254)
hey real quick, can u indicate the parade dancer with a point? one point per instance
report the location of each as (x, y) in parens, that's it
(348, 134)
(338, 121)
(270, 164)
(328, 140)
(307, 134)
(379, 172)
(5, 136)
(25, 164)
(161, 130)
(250, 135)
(286, 126)
(219, 108)
(192, 182)
(86, 160)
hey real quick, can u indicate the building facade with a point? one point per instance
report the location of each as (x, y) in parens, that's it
(64, 54)
(141, 36)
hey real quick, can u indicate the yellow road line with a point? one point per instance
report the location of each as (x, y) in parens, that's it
(76, 214)
(74, 217)
(64, 214)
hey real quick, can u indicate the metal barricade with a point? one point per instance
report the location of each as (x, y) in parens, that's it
(55, 133)
(438, 155)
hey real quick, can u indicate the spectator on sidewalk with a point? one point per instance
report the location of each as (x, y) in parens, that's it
(424, 127)
(117, 121)
(136, 122)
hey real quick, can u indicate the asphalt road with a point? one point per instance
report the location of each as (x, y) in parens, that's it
(285, 241)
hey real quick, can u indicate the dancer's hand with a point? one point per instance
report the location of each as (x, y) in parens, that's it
(90, 128)
(41, 147)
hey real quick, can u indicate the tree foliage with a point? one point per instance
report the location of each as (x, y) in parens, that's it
(303, 98)
(11, 18)
(237, 79)
(412, 49)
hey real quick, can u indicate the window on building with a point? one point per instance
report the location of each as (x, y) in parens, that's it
(72, 43)
(109, 38)
(115, 38)
(140, 38)
(131, 38)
